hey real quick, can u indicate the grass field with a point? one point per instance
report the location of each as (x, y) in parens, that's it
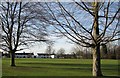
(57, 67)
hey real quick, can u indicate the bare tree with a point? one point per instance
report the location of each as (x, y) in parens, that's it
(61, 52)
(78, 50)
(103, 51)
(112, 50)
(49, 49)
(19, 23)
(87, 24)
(81, 52)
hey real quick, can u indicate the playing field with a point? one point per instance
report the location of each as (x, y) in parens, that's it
(57, 67)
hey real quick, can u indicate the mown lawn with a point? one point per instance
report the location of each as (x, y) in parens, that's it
(57, 67)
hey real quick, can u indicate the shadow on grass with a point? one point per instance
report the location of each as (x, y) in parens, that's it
(65, 66)
(58, 77)
(74, 66)
(60, 64)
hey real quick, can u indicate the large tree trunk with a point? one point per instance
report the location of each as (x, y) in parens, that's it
(96, 47)
(96, 61)
(13, 59)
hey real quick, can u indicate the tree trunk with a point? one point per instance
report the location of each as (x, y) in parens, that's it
(13, 59)
(96, 47)
(96, 61)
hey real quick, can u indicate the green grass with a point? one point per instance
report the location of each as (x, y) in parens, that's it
(57, 67)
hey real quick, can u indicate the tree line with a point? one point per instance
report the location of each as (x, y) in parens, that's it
(107, 52)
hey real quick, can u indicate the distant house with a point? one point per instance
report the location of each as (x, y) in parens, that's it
(24, 55)
(44, 55)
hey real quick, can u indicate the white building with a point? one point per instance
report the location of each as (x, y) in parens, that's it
(44, 55)
(24, 55)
